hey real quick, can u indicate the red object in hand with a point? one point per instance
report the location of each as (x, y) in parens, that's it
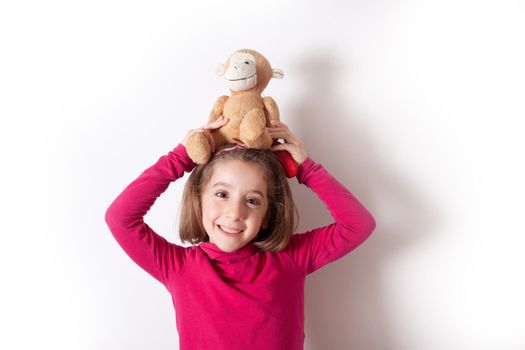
(289, 164)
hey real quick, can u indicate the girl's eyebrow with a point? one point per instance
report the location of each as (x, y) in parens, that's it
(224, 184)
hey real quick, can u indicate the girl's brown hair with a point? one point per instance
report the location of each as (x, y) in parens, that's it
(281, 212)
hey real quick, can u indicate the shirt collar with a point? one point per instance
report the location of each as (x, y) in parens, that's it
(216, 254)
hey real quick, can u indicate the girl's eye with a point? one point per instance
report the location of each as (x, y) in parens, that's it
(253, 201)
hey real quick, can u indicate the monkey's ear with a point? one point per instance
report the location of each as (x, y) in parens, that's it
(278, 74)
(220, 69)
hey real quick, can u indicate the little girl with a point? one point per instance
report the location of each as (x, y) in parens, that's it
(241, 284)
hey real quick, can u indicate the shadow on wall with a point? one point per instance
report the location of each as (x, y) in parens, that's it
(347, 303)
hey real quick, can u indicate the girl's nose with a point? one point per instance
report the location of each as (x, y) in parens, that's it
(235, 210)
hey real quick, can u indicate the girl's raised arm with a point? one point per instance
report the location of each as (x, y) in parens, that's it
(353, 222)
(125, 215)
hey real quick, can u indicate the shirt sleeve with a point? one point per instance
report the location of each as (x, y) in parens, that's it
(125, 216)
(353, 222)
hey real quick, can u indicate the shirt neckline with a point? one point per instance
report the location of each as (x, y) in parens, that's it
(216, 254)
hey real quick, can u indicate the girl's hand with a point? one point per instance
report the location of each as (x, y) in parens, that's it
(292, 143)
(206, 130)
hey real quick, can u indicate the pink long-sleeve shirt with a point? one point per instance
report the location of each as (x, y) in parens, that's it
(246, 299)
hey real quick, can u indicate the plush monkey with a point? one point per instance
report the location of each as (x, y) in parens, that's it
(247, 73)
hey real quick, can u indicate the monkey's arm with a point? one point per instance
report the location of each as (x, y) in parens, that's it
(271, 108)
(218, 108)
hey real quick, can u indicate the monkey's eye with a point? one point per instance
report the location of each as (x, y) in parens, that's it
(246, 62)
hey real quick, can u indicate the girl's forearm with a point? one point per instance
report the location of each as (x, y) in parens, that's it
(132, 204)
(125, 216)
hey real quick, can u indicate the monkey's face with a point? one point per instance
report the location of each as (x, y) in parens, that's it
(241, 73)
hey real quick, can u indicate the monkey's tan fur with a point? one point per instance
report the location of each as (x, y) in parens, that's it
(248, 112)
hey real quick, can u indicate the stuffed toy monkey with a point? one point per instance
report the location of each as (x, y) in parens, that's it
(247, 73)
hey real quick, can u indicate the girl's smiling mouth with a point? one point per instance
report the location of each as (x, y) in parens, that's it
(229, 230)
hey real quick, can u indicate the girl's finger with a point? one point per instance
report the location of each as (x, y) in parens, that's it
(278, 128)
(216, 123)
(287, 136)
(278, 123)
(296, 151)
(206, 130)
(285, 147)
(281, 133)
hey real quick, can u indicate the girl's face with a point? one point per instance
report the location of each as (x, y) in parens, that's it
(234, 204)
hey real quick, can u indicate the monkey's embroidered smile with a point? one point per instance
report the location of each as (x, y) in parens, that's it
(242, 78)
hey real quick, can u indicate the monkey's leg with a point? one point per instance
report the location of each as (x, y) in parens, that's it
(198, 148)
(253, 130)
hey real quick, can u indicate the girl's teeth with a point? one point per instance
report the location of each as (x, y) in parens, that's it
(225, 229)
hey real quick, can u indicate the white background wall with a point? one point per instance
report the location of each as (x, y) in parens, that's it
(416, 106)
